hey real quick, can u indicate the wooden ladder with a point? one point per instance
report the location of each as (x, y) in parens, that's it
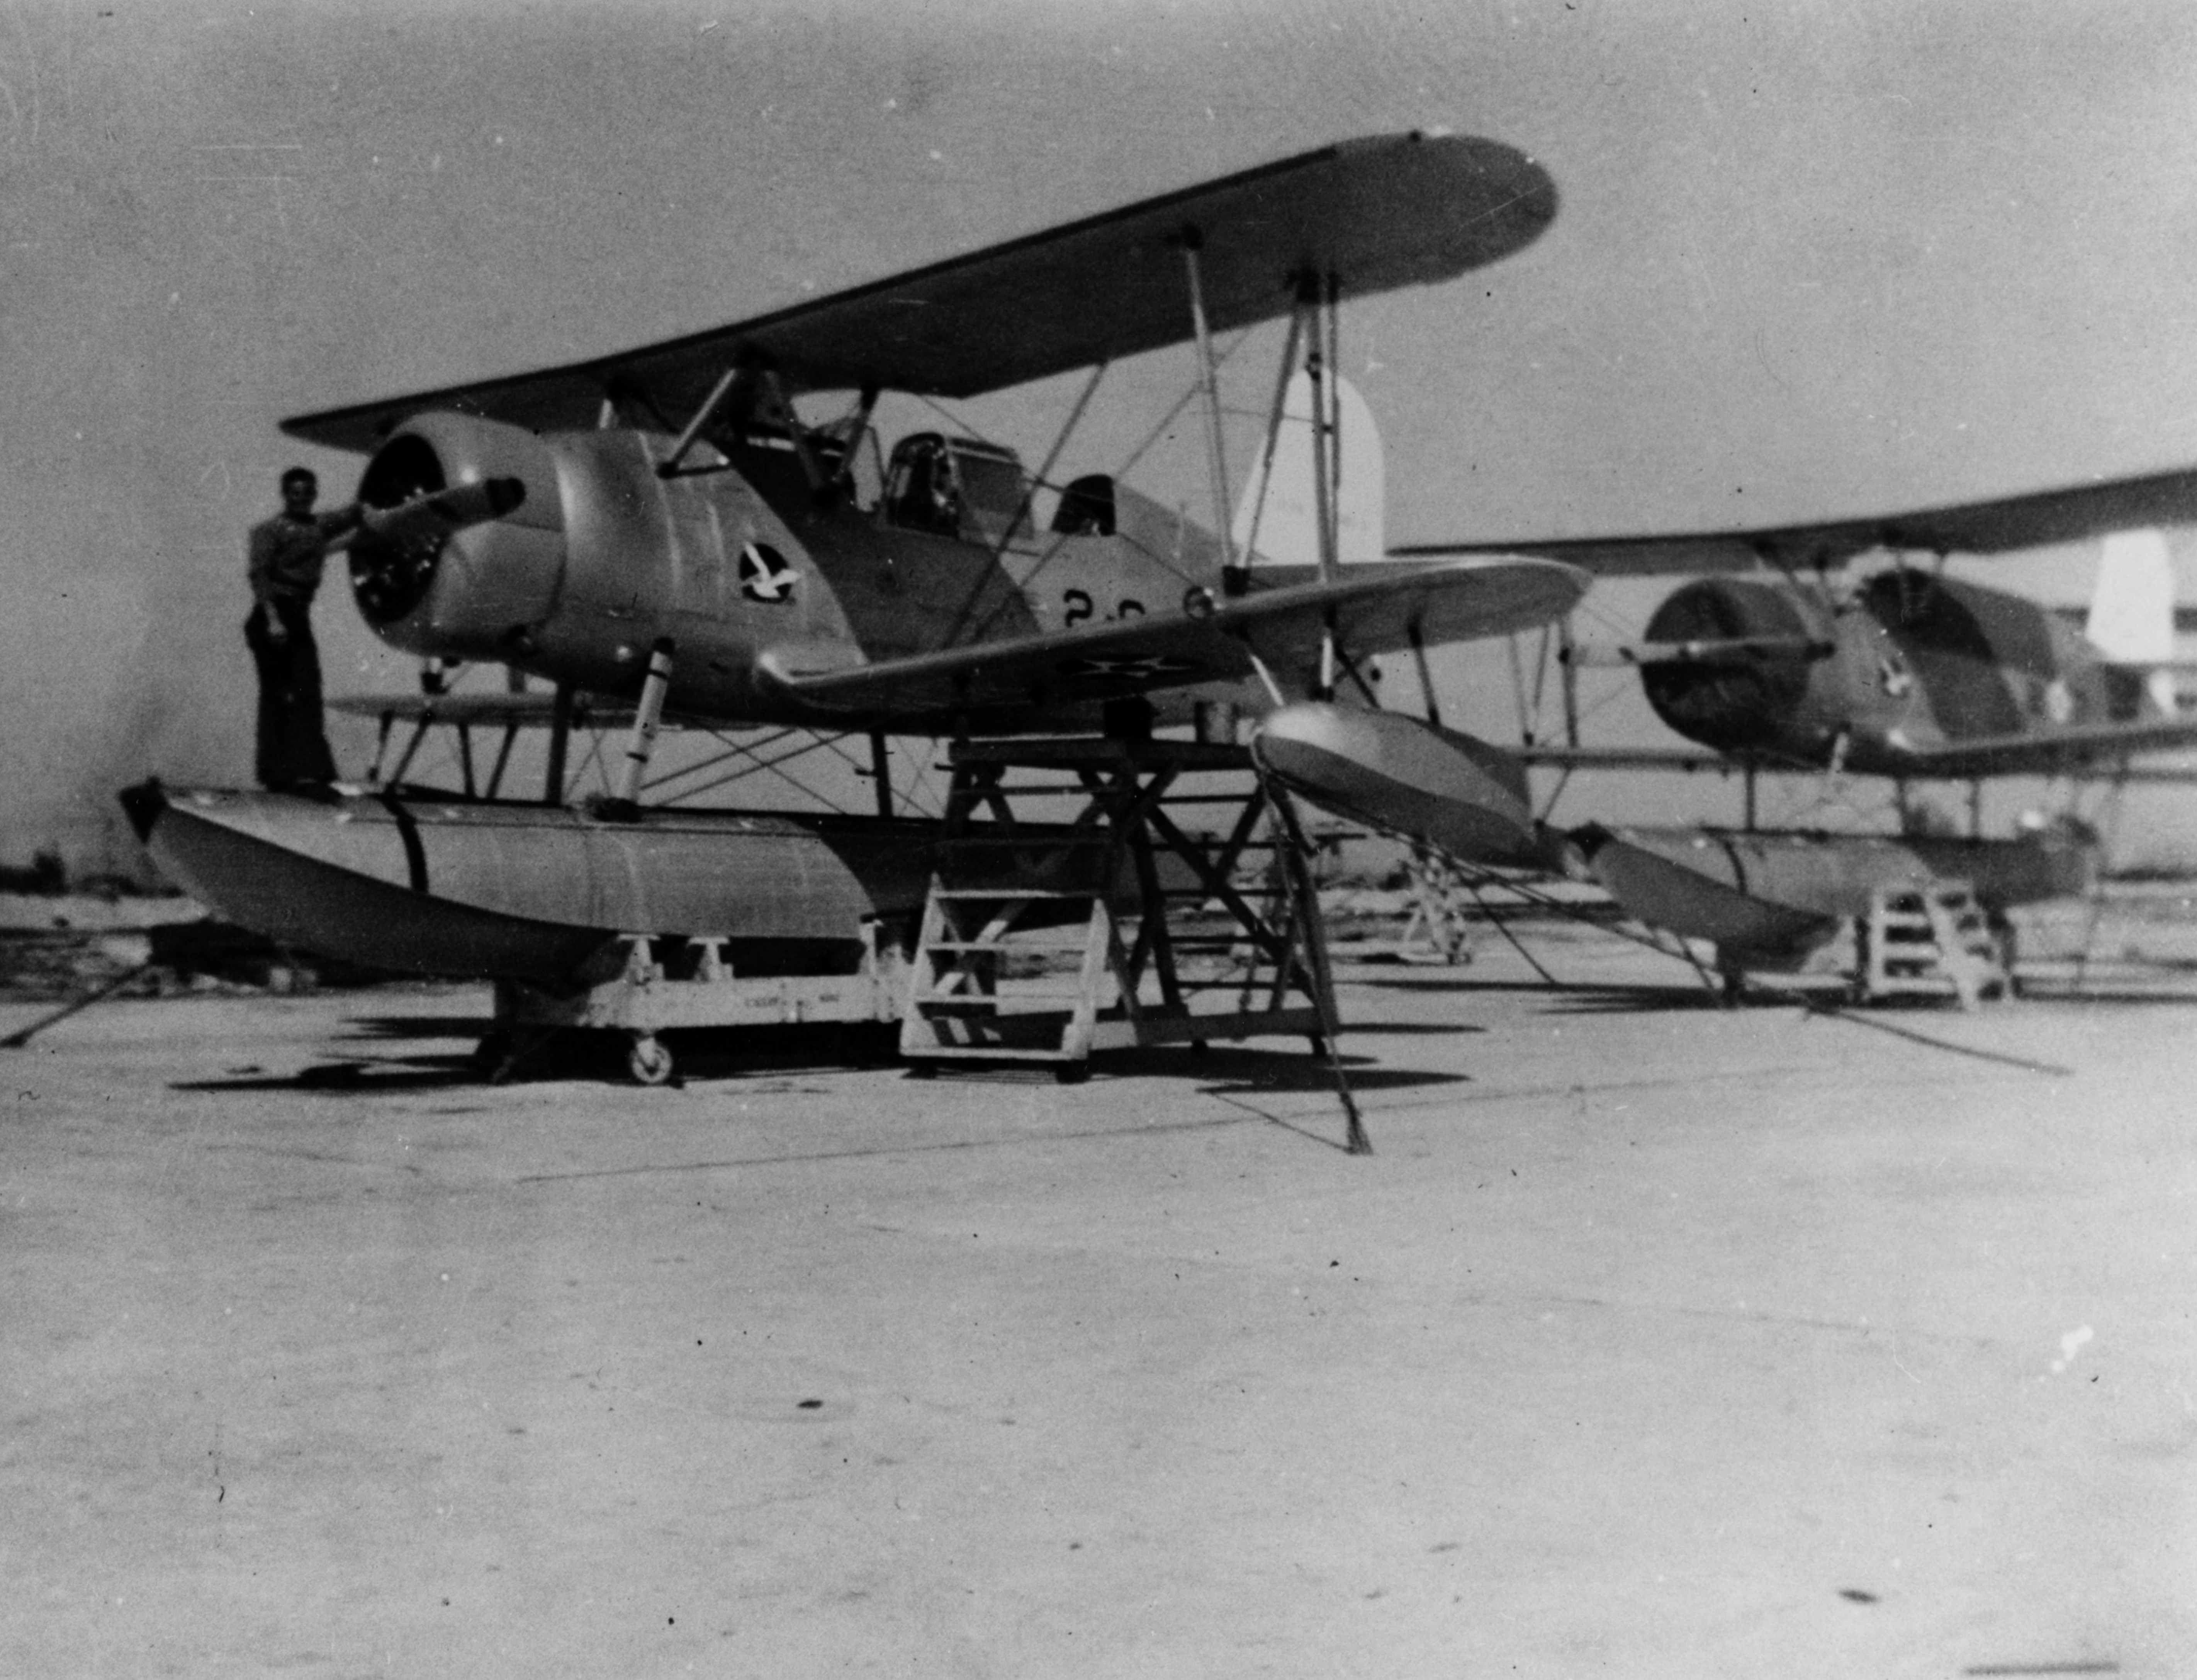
(956, 1011)
(1159, 909)
(1933, 941)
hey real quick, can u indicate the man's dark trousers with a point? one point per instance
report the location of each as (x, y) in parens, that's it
(292, 746)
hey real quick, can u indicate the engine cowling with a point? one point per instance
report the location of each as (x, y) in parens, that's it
(1739, 704)
(476, 593)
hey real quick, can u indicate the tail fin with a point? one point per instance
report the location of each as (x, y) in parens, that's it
(2132, 619)
(1278, 514)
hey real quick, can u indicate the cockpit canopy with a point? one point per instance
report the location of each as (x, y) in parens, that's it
(959, 487)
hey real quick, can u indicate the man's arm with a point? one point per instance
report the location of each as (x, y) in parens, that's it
(260, 546)
(275, 543)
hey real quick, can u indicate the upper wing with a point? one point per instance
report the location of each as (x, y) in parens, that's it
(1997, 527)
(1375, 608)
(1378, 213)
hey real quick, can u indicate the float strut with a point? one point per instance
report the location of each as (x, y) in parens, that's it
(647, 718)
(560, 740)
(881, 771)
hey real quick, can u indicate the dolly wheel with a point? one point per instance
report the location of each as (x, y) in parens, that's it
(649, 1061)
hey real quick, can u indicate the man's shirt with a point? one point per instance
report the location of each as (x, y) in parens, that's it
(288, 554)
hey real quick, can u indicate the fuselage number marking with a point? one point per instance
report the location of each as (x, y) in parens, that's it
(1076, 605)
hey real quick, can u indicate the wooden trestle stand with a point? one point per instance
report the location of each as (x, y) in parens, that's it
(1174, 950)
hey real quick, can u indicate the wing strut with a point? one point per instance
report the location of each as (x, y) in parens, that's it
(1566, 648)
(1426, 675)
(858, 431)
(881, 771)
(669, 466)
(1326, 413)
(1327, 453)
(1265, 475)
(1216, 457)
(1043, 475)
(778, 405)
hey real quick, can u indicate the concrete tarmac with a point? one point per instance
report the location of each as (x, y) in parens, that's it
(1654, 1339)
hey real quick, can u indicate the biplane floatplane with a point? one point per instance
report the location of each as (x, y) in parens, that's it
(671, 530)
(1844, 649)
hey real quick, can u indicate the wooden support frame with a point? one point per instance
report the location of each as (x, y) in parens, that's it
(1148, 893)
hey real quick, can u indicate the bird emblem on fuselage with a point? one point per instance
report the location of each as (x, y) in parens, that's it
(766, 575)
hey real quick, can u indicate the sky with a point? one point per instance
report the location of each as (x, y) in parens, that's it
(1811, 261)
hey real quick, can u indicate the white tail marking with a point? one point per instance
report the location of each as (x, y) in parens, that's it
(1279, 512)
(2132, 619)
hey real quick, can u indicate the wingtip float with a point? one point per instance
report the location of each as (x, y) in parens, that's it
(1447, 789)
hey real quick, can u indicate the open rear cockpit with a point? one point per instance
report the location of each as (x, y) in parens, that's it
(959, 487)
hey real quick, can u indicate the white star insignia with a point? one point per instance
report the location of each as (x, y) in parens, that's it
(1128, 667)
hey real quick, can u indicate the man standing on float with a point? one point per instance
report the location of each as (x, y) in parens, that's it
(288, 553)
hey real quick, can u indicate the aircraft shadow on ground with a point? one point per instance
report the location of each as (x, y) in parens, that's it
(343, 1079)
(1238, 1070)
(702, 1052)
(2119, 996)
(1352, 1027)
(593, 1056)
(418, 1026)
(729, 1053)
(1382, 983)
(599, 1058)
(1650, 999)
(1654, 1000)
(1568, 999)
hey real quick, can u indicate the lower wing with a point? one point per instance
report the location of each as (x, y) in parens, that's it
(1631, 758)
(2099, 748)
(1371, 608)
(534, 709)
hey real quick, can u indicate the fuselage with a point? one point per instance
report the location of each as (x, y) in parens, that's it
(1908, 662)
(749, 553)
